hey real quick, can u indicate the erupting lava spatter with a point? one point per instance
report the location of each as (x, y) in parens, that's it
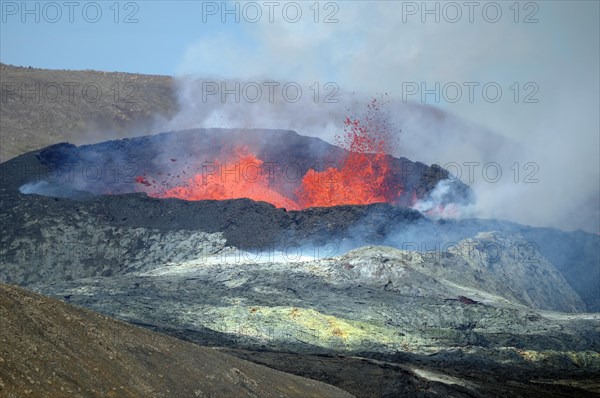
(364, 176)
(244, 181)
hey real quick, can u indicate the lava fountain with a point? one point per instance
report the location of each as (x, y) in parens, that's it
(362, 177)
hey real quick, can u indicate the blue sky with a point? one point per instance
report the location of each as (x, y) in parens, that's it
(155, 44)
(373, 47)
(167, 32)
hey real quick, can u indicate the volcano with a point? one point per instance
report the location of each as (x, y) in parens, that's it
(279, 167)
(175, 180)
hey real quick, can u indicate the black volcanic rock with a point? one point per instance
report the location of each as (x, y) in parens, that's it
(120, 232)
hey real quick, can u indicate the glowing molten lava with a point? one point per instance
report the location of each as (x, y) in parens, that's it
(241, 178)
(364, 176)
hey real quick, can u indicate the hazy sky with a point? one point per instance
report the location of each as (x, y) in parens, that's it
(533, 67)
(551, 51)
(535, 51)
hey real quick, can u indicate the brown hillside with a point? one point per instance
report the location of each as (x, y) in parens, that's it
(52, 349)
(40, 107)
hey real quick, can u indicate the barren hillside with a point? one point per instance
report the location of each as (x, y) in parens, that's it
(52, 349)
(40, 107)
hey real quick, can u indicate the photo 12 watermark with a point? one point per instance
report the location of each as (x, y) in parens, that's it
(490, 12)
(270, 11)
(490, 92)
(271, 91)
(69, 91)
(526, 252)
(492, 172)
(283, 251)
(72, 172)
(53, 12)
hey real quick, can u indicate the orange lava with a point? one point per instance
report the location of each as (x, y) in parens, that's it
(362, 177)
(239, 177)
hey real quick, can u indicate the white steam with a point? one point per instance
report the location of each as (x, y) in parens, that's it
(547, 152)
(438, 204)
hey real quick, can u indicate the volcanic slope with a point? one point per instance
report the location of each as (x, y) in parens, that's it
(51, 349)
(127, 102)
